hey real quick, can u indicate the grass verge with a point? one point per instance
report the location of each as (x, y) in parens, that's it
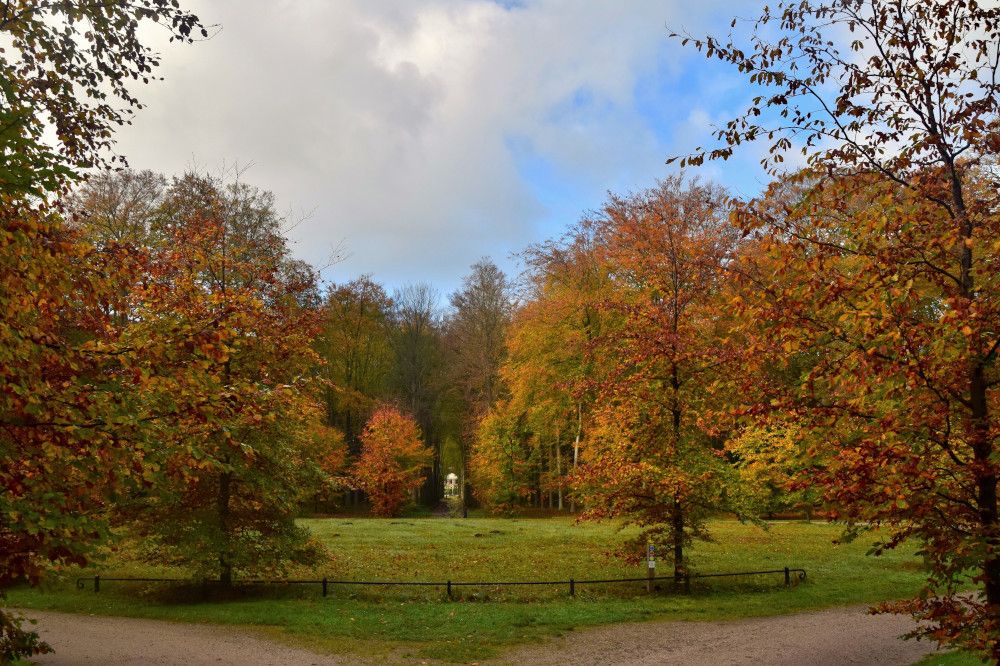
(950, 659)
(422, 623)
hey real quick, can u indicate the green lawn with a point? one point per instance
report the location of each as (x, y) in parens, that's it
(951, 659)
(421, 622)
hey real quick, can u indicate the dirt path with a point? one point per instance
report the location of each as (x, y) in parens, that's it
(825, 638)
(94, 639)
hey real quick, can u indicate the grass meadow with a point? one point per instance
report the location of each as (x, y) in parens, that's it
(479, 622)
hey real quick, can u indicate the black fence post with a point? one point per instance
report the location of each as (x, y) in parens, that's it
(788, 578)
(449, 589)
(97, 583)
(572, 587)
(324, 587)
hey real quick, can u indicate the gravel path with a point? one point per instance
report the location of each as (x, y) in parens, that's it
(95, 639)
(825, 638)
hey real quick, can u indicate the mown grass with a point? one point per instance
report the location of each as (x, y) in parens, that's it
(408, 623)
(951, 659)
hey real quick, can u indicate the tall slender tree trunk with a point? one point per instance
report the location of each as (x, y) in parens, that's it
(677, 520)
(225, 556)
(677, 511)
(576, 451)
(986, 495)
(559, 476)
(465, 506)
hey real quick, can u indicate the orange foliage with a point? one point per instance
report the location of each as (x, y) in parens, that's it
(864, 306)
(652, 457)
(880, 284)
(393, 457)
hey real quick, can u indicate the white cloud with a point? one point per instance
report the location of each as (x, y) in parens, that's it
(393, 122)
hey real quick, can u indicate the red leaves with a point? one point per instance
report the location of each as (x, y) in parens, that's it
(393, 457)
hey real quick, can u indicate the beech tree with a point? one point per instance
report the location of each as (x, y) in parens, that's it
(392, 461)
(851, 278)
(885, 268)
(65, 408)
(475, 333)
(652, 457)
(356, 345)
(62, 443)
(118, 207)
(224, 324)
(73, 66)
(417, 379)
(530, 441)
(772, 460)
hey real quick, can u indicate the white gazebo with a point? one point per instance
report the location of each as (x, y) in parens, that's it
(451, 485)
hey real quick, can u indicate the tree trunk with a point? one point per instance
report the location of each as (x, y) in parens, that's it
(465, 506)
(678, 529)
(576, 451)
(677, 517)
(559, 478)
(986, 495)
(982, 446)
(225, 557)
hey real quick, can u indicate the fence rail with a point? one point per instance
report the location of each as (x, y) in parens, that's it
(326, 583)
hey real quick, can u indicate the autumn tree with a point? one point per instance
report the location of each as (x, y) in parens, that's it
(356, 345)
(69, 67)
(529, 442)
(774, 461)
(118, 207)
(417, 381)
(393, 457)
(220, 329)
(325, 474)
(884, 265)
(653, 455)
(65, 407)
(475, 335)
(476, 330)
(499, 466)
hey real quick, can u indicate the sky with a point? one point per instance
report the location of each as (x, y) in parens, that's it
(408, 139)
